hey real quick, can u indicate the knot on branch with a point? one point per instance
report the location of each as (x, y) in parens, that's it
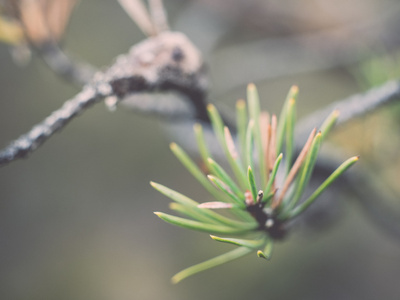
(168, 61)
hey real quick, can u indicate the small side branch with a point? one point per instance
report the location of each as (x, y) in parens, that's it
(352, 107)
(63, 65)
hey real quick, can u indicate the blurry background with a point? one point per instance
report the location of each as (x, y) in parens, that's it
(76, 218)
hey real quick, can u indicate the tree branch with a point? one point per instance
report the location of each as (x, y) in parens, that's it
(28, 142)
(166, 62)
(350, 108)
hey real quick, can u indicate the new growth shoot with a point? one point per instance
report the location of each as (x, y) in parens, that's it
(256, 205)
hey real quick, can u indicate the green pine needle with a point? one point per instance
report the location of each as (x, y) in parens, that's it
(218, 126)
(226, 189)
(329, 123)
(182, 199)
(241, 122)
(266, 254)
(191, 166)
(339, 171)
(192, 212)
(252, 183)
(252, 244)
(218, 171)
(305, 173)
(201, 143)
(206, 227)
(272, 176)
(211, 263)
(249, 144)
(254, 114)
(293, 93)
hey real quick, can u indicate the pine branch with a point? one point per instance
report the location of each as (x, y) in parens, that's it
(352, 107)
(166, 62)
(30, 141)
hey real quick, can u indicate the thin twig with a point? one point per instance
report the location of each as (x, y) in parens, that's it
(28, 142)
(64, 65)
(350, 108)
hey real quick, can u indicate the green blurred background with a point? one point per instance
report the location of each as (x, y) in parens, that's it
(76, 218)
